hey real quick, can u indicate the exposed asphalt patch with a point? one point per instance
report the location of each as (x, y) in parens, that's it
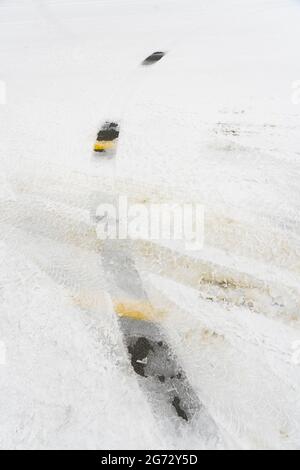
(152, 358)
(139, 355)
(181, 413)
(108, 132)
(153, 58)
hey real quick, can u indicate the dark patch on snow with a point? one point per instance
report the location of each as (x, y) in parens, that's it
(139, 352)
(108, 132)
(153, 359)
(181, 413)
(153, 58)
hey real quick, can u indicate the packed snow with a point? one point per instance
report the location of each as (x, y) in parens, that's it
(215, 122)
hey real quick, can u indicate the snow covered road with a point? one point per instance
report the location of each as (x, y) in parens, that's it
(214, 122)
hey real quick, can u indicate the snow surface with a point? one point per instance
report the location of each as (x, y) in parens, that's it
(213, 123)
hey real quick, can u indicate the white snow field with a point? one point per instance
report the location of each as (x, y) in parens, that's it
(215, 122)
